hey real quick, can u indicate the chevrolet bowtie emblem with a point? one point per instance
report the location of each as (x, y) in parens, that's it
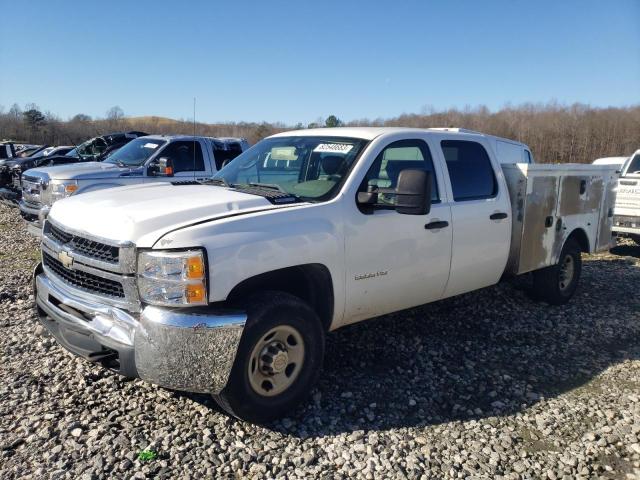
(65, 259)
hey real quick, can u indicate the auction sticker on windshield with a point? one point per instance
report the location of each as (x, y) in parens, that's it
(333, 148)
(150, 145)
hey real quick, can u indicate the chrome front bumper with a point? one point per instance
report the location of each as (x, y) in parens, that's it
(173, 348)
(34, 217)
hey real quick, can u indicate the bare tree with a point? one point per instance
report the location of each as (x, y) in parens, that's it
(114, 117)
(115, 113)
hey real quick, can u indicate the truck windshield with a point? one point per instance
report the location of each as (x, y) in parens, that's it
(311, 168)
(633, 165)
(135, 153)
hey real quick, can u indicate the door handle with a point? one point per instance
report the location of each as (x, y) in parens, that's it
(498, 216)
(436, 224)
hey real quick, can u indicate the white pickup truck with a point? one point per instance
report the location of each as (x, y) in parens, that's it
(626, 219)
(151, 158)
(229, 287)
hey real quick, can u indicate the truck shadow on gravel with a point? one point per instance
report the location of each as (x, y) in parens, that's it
(489, 353)
(627, 249)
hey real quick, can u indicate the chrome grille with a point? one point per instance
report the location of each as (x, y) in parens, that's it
(99, 266)
(83, 280)
(59, 235)
(32, 191)
(89, 248)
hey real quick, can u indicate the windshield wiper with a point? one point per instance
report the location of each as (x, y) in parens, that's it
(272, 192)
(272, 186)
(220, 181)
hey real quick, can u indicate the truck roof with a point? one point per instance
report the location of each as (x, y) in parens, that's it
(369, 133)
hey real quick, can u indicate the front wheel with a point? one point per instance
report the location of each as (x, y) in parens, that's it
(278, 359)
(557, 284)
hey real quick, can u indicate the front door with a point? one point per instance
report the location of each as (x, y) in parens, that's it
(396, 261)
(188, 161)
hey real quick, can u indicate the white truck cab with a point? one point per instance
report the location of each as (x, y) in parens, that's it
(626, 220)
(229, 286)
(183, 158)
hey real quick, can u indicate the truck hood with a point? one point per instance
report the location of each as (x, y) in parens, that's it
(144, 213)
(83, 171)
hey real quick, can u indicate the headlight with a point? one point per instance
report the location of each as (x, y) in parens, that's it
(172, 278)
(61, 189)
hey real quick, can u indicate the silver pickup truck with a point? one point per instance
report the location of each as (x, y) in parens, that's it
(146, 159)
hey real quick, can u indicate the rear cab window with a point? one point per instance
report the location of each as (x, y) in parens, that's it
(470, 170)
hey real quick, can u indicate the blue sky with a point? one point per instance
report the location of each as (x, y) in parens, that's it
(295, 61)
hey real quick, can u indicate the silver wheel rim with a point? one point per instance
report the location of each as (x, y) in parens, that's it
(567, 269)
(276, 361)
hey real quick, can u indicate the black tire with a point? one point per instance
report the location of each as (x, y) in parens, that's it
(266, 311)
(549, 284)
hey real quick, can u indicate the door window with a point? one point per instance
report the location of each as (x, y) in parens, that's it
(470, 170)
(398, 156)
(186, 156)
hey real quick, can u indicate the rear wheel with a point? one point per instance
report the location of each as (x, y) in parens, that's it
(557, 284)
(278, 359)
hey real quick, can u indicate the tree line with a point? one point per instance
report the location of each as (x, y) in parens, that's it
(555, 132)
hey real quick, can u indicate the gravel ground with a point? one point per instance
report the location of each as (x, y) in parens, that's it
(486, 385)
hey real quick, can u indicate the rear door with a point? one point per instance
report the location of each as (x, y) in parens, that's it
(481, 216)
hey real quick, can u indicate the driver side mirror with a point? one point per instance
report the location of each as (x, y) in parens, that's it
(413, 192)
(163, 168)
